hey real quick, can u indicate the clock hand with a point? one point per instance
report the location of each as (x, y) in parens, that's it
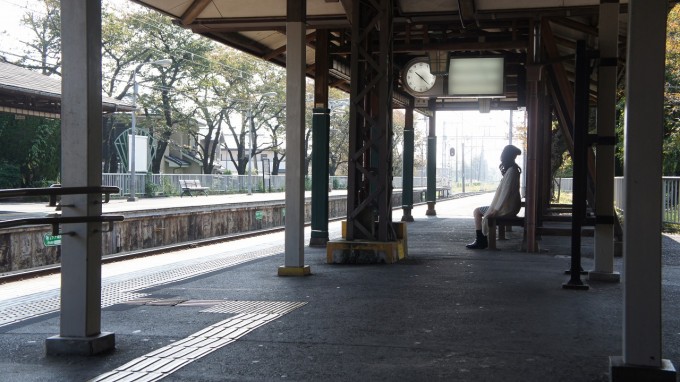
(422, 78)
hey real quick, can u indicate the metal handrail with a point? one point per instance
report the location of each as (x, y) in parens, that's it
(53, 192)
(54, 221)
(57, 190)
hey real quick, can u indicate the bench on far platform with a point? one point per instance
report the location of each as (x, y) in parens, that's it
(189, 185)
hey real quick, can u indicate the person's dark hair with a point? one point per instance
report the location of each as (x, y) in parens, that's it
(508, 156)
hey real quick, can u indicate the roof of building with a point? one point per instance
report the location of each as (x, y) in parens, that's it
(24, 91)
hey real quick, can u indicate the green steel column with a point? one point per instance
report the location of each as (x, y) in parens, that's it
(321, 120)
(431, 168)
(407, 171)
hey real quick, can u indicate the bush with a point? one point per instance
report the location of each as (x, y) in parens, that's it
(10, 175)
(169, 189)
(150, 189)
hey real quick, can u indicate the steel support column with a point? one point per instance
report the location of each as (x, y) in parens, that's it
(533, 116)
(407, 170)
(578, 211)
(81, 140)
(295, 131)
(606, 125)
(432, 166)
(370, 162)
(320, 135)
(642, 358)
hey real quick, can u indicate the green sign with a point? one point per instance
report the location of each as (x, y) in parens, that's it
(259, 215)
(51, 241)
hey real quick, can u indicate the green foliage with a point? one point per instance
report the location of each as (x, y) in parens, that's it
(168, 187)
(150, 189)
(566, 170)
(10, 176)
(35, 149)
(671, 142)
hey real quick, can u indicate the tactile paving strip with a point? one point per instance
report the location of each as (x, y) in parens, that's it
(261, 307)
(164, 361)
(40, 304)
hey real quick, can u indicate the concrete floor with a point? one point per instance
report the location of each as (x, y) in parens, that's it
(446, 313)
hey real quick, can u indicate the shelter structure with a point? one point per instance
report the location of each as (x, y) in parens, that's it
(559, 59)
(26, 92)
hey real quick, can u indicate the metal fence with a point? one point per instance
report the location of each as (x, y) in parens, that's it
(670, 196)
(168, 184)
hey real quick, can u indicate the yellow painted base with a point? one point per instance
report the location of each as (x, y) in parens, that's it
(365, 251)
(295, 271)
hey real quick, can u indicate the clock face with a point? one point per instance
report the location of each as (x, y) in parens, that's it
(418, 77)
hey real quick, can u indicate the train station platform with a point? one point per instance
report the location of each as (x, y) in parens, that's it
(220, 313)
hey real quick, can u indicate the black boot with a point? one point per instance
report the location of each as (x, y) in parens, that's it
(480, 243)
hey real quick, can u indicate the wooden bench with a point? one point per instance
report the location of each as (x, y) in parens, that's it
(502, 222)
(189, 185)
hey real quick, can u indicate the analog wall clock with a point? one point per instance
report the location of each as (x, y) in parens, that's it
(416, 76)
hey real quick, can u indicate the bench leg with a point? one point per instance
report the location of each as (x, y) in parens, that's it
(492, 234)
(501, 231)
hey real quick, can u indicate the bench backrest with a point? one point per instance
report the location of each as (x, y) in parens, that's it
(190, 183)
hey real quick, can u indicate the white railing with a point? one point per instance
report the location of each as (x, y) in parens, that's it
(671, 199)
(670, 196)
(168, 184)
(619, 193)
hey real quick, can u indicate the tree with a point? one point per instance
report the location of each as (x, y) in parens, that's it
(398, 124)
(671, 138)
(43, 49)
(33, 158)
(254, 88)
(121, 50)
(187, 53)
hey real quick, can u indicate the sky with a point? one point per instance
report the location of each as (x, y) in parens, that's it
(11, 12)
(480, 134)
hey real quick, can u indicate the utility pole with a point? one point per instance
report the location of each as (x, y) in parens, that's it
(510, 129)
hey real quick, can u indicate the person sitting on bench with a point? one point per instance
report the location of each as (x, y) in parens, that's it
(506, 201)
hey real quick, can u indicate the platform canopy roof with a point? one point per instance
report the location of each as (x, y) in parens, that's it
(27, 92)
(458, 27)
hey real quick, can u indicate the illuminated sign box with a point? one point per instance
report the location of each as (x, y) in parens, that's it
(476, 77)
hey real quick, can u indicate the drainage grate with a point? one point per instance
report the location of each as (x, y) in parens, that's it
(164, 361)
(40, 304)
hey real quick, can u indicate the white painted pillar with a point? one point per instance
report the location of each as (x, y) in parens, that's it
(606, 126)
(642, 229)
(295, 131)
(81, 142)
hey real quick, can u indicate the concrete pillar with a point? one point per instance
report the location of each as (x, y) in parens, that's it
(295, 134)
(407, 167)
(81, 142)
(641, 360)
(321, 121)
(432, 167)
(606, 125)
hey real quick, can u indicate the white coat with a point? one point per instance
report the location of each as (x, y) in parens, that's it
(506, 201)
